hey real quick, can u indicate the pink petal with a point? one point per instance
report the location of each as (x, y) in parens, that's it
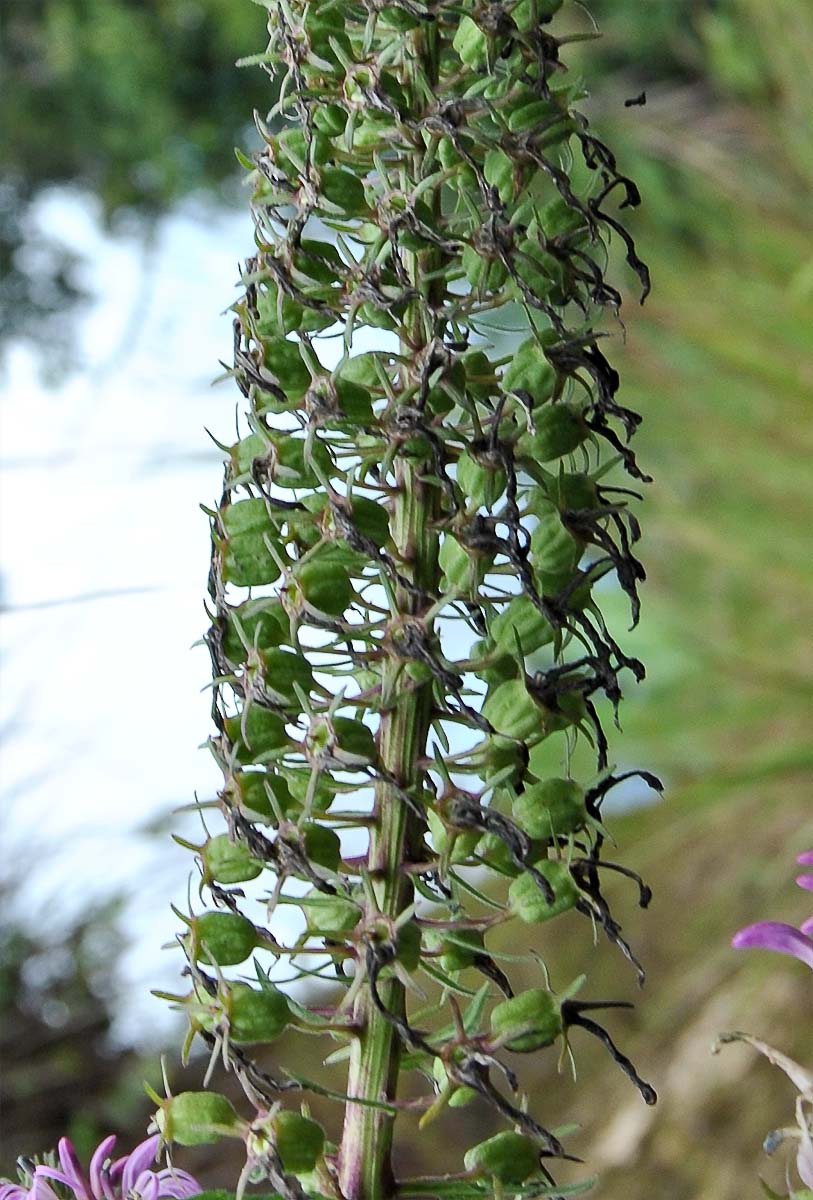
(806, 927)
(139, 1161)
(13, 1191)
(40, 1188)
(805, 881)
(69, 1161)
(98, 1175)
(178, 1184)
(805, 859)
(775, 935)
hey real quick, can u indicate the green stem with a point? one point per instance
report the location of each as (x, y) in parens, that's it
(396, 836)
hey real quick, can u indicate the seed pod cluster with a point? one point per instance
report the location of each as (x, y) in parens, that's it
(404, 554)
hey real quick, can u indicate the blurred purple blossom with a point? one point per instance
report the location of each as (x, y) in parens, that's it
(778, 935)
(132, 1177)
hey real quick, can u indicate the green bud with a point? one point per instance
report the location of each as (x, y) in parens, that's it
(198, 1119)
(509, 1157)
(531, 1021)
(553, 807)
(342, 739)
(299, 1141)
(222, 938)
(527, 900)
(226, 861)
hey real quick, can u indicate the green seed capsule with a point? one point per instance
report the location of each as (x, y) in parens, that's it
(299, 1141)
(225, 861)
(329, 916)
(354, 739)
(325, 587)
(471, 44)
(464, 569)
(554, 807)
(461, 953)
(482, 484)
(224, 938)
(247, 559)
(523, 13)
(498, 169)
(528, 902)
(532, 116)
(255, 1015)
(514, 713)
(321, 845)
(354, 401)
(198, 1119)
(530, 371)
(329, 119)
(249, 790)
(521, 620)
(257, 734)
(283, 672)
(531, 1021)
(560, 429)
(344, 190)
(463, 842)
(555, 553)
(408, 946)
(496, 855)
(509, 1157)
(262, 627)
(576, 491)
(284, 361)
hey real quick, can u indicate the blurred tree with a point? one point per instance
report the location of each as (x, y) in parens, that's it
(62, 1075)
(137, 103)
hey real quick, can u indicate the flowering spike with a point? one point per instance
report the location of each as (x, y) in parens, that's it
(403, 559)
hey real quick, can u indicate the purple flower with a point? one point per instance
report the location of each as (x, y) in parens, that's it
(132, 1177)
(778, 935)
(775, 935)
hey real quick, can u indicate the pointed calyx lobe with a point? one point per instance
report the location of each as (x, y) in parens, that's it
(404, 557)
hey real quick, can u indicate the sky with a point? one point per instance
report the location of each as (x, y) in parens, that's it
(104, 555)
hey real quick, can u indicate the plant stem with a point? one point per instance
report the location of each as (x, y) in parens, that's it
(396, 836)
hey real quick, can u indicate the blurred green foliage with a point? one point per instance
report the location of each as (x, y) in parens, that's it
(137, 102)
